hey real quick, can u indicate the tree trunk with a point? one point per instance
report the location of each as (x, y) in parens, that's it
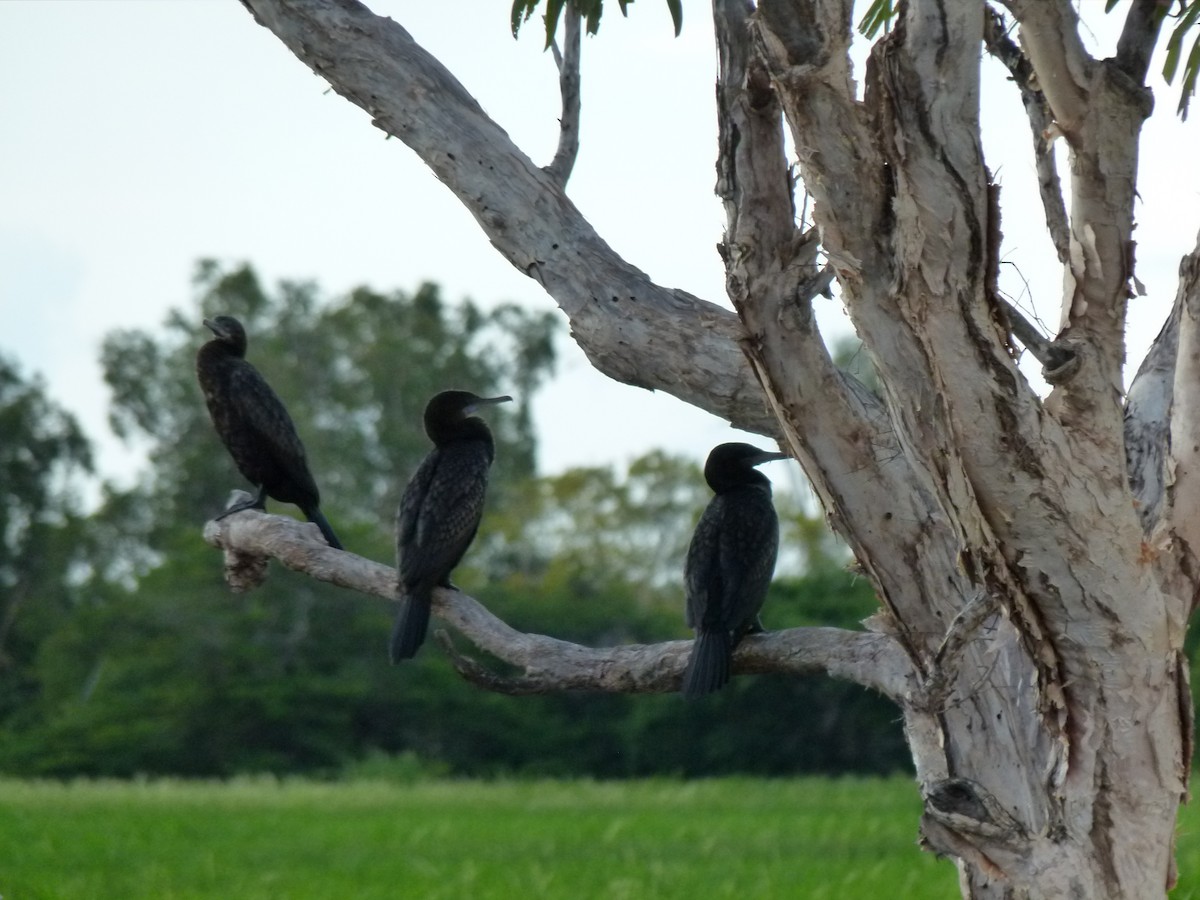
(1034, 581)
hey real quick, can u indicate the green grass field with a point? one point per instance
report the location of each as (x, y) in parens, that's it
(446, 839)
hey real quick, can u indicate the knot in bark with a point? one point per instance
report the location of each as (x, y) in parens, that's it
(966, 807)
(1061, 363)
(243, 571)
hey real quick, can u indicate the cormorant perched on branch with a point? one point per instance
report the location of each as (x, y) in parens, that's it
(440, 510)
(255, 427)
(729, 562)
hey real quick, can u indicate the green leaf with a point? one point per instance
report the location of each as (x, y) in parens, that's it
(521, 11)
(591, 11)
(1188, 88)
(1175, 42)
(878, 14)
(553, 11)
(676, 8)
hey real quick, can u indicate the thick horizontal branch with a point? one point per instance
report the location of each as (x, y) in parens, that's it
(631, 329)
(547, 664)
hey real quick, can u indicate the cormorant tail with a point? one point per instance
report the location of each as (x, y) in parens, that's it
(708, 666)
(409, 631)
(317, 518)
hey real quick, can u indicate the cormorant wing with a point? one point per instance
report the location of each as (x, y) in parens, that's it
(266, 423)
(748, 545)
(702, 571)
(411, 504)
(441, 509)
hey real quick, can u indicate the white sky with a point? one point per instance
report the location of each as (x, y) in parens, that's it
(137, 136)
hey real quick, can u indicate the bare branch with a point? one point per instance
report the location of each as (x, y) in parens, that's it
(546, 664)
(616, 311)
(568, 85)
(1041, 123)
(1139, 35)
(1050, 35)
(1099, 107)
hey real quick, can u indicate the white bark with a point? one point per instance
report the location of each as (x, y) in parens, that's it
(1033, 605)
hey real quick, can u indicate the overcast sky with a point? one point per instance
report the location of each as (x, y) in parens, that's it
(140, 135)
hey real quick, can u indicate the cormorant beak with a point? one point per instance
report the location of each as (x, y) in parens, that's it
(766, 456)
(214, 328)
(485, 401)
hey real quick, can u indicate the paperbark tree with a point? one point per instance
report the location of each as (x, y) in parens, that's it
(1033, 556)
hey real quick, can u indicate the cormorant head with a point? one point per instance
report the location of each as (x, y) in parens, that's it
(230, 331)
(449, 409)
(732, 465)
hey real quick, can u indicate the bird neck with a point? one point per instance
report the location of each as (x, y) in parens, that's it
(466, 429)
(219, 349)
(725, 481)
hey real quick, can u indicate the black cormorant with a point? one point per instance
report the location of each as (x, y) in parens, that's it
(729, 562)
(440, 510)
(255, 427)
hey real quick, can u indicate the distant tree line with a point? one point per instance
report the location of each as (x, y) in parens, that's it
(122, 651)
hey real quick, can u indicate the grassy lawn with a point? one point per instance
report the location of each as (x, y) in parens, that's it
(249, 839)
(263, 839)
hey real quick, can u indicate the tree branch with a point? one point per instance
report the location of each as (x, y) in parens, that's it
(1183, 495)
(546, 664)
(568, 85)
(1041, 123)
(617, 313)
(1100, 108)
(1050, 35)
(1139, 35)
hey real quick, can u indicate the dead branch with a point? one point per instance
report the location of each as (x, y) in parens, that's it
(545, 664)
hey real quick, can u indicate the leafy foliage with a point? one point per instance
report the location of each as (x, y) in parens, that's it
(42, 456)
(590, 10)
(876, 18)
(1188, 16)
